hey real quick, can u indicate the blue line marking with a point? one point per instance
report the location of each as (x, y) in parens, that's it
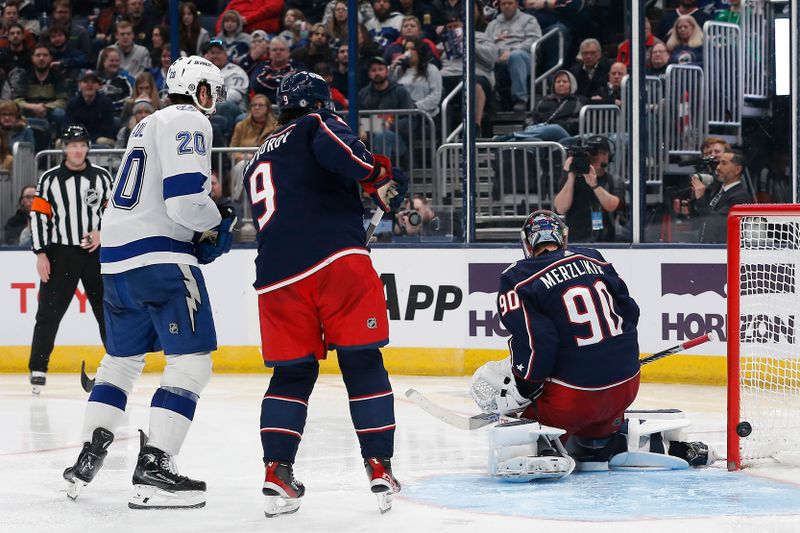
(615, 496)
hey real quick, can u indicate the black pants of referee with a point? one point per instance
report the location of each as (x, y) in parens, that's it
(68, 265)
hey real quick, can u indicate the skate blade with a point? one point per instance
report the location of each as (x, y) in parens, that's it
(277, 505)
(384, 501)
(36, 390)
(149, 497)
(74, 488)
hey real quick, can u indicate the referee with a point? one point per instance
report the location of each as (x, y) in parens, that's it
(65, 227)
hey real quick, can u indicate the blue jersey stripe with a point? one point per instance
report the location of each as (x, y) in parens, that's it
(183, 184)
(110, 395)
(166, 399)
(112, 254)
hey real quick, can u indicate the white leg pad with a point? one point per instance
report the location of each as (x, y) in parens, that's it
(514, 452)
(120, 372)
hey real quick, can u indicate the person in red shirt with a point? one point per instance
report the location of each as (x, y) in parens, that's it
(256, 15)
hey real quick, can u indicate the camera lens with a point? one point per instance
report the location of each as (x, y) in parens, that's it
(414, 218)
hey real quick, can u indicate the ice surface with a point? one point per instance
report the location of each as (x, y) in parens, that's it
(441, 468)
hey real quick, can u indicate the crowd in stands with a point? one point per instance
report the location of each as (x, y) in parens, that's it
(102, 63)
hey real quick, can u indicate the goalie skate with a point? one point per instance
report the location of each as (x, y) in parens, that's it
(282, 490)
(382, 482)
(534, 468)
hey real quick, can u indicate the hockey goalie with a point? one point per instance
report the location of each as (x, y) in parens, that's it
(573, 369)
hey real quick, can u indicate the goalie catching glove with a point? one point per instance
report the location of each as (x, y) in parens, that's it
(387, 190)
(495, 389)
(213, 243)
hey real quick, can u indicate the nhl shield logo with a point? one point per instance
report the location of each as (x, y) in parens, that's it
(173, 328)
(372, 323)
(91, 197)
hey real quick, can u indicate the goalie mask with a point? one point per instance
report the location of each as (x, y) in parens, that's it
(541, 227)
(187, 74)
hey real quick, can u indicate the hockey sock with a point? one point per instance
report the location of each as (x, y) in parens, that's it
(284, 409)
(109, 397)
(371, 400)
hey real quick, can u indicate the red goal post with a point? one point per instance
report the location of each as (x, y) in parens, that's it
(763, 342)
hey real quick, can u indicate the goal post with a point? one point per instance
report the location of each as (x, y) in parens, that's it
(763, 342)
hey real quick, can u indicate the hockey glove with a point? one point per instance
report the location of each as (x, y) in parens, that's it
(218, 241)
(387, 191)
(494, 389)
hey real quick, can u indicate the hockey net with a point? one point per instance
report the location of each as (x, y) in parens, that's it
(763, 342)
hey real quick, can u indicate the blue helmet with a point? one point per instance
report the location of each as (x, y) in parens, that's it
(540, 227)
(302, 90)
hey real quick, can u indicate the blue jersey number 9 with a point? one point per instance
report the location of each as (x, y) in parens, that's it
(128, 188)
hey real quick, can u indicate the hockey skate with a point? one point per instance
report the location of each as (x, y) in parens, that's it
(381, 481)
(694, 453)
(89, 462)
(157, 484)
(38, 381)
(282, 490)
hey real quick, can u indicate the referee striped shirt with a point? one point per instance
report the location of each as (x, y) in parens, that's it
(68, 205)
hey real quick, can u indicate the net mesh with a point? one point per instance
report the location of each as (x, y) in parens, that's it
(769, 381)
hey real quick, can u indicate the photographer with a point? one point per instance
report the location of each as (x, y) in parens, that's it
(713, 208)
(588, 194)
(416, 218)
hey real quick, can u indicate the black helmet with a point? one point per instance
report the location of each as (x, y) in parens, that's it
(75, 132)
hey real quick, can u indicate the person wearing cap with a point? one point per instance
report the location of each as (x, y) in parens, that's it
(142, 107)
(589, 200)
(259, 51)
(93, 109)
(237, 83)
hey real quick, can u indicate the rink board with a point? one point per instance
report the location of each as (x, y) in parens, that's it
(441, 305)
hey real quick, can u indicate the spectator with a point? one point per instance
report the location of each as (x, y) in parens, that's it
(93, 110)
(337, 23)
(341, 71)
(611, 92)
(313, 9)
(21, 219)
(383, 93)
(15, 55)
(659, 60)
(237, 43)
(444, 11)
(591, 72)
(66, 60)
(107, 20)
(250, 132)
(415, 71)
(714, 147)
(13, 125)
(29, 15)
(259, 51)
(685, 7)
(385, 27)
(142, 107)
(134, 58)
(567, 17)
(262, 15)
(367, 48)
(513, 32)
(365, 11)
(773, 183)
(40, 92)
(143, 23)
(267, 77)
(11, 17)
(714, 209)
(160, 72)
(624, 49)
(159, 38)
(318, 48)
(415, 218)
(117, 83)
(78, 36)
(6, 159)
(338, 98)
(237, 84)
(589, 200)
(556, 115)
(191, 35)
(685, 43)
(411, 29)
(422, 10)
(217, 193)
(732, 14)
(143, 87)
(295, 28)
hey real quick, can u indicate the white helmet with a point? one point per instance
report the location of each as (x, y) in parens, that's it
(186, 74)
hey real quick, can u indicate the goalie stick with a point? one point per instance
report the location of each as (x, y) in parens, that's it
(480, 420)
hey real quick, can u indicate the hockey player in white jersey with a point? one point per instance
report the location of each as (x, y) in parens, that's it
(160, 223)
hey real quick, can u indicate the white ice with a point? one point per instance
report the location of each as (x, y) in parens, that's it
(39, 437)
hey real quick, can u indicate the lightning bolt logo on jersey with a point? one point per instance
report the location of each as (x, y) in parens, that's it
(302, 184)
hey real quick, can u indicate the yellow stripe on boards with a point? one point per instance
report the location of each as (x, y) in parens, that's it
(690, 369)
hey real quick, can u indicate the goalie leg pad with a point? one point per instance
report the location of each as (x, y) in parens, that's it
(526, 451)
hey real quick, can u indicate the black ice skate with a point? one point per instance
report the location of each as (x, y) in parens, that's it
(89, 462)
(282, 490)
(381, 481)
(157, 484)
(694, 453)
(38, 381)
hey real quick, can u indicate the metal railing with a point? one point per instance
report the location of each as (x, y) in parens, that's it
(542, 78)
(23, 174)
(450, 136)
(655, 152)
(685, 120)
(723, 68)
(755, 15)
(511, 180)
(605, 120)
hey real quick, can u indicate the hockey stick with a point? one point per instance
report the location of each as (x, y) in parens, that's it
(86, 382)
(480, 420)
(373, 224)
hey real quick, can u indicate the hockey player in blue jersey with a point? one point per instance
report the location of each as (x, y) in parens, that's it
(317, 289)
(574, 360)
(160, 223)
